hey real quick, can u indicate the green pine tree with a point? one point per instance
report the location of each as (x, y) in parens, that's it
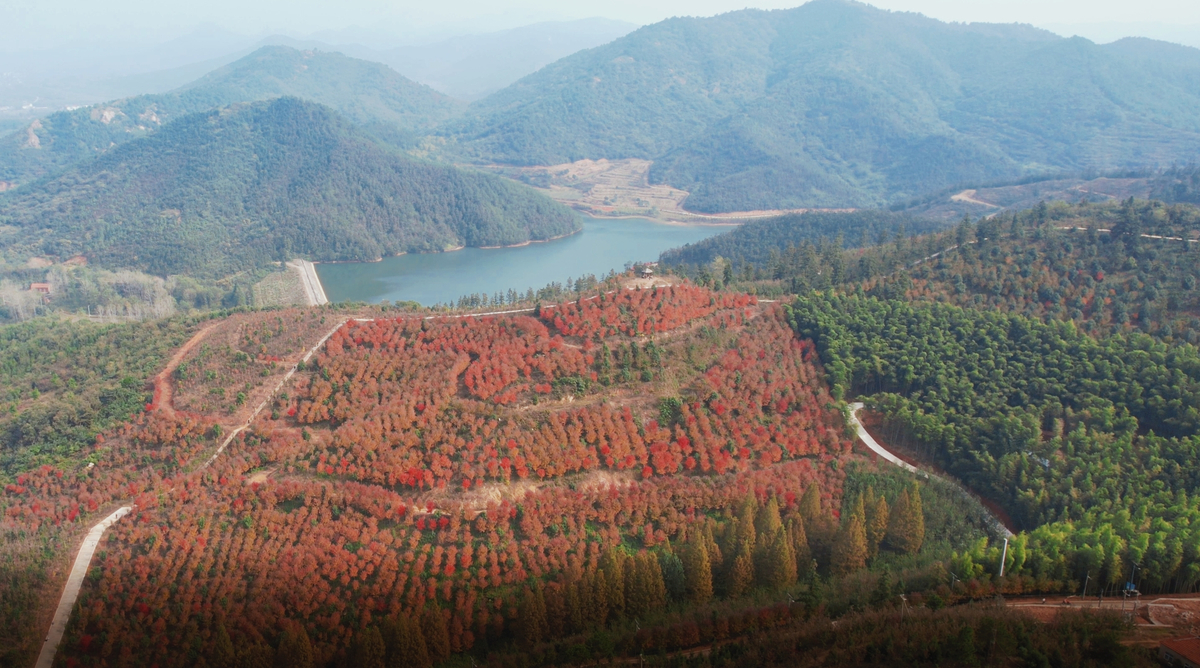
(673, 576)
(768, 520)
(599, 611)
(405, 644)
(849, 547)
(655, 584)
(780, 562)
(295, 649)
(255, 656)
(531, 628)
(613, 565)
(906, 523)
(741, 572)
(369, 651)
(697, 571)
(810, 506)
(437, 634)
(222, 654)
(877, 523)
(800, 548)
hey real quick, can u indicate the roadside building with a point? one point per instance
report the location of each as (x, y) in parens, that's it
(1182, 652)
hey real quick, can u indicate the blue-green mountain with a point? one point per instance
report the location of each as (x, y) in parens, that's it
(217, 192)
(836, 104)
(369, 94)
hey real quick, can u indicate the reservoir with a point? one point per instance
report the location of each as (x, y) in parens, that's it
(433, 278)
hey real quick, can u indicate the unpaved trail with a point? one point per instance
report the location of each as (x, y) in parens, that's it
(278, 386)
(83, 558)
(74, 581)
(164, 389)
(969, 197)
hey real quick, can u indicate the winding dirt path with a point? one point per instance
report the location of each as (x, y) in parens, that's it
(163, 393)
(164, 388)
(969, 197)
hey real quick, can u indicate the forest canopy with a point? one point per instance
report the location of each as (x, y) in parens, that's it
(839, 104)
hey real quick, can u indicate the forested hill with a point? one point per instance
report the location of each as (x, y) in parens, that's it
(836, 104)
(760, 241)
(1110, 268)
(214, 192)
(367, 93)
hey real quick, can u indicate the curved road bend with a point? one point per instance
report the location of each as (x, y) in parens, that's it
(875, 446)
(882, 452)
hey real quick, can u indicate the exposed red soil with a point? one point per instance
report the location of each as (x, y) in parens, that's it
(164, 387)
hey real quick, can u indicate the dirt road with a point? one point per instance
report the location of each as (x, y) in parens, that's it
(74, 581)
(83, 558)
(164, 389)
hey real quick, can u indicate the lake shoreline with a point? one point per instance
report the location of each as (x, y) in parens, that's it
(528, 242)
(661, 221)
(603, 245)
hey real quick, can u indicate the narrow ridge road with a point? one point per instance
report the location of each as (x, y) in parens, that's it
(878, 449)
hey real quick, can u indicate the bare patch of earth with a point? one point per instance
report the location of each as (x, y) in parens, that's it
(620, 189)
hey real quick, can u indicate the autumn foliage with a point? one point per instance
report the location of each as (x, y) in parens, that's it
(634, 312)
(404, 483)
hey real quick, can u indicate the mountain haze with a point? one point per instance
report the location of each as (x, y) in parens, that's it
(217, 192)
(472, 66)
(367, 93)
(836, 103)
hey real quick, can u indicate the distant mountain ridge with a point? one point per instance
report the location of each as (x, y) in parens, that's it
(836, 103)
(370, 94)
(219, 192)
(471, 67)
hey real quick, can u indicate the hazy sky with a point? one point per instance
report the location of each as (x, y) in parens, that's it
(30, 24)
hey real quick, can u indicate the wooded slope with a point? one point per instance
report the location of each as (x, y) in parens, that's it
(214, 192)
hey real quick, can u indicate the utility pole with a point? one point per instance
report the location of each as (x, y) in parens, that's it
(1085, 584)
(1128, 588)
(1003, 557)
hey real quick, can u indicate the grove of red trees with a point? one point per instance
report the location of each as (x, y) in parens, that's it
(393, 461)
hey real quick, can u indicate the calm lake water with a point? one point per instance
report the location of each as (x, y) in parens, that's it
(433, 278)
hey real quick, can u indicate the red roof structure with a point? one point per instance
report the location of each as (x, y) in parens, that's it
(1183, 652)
